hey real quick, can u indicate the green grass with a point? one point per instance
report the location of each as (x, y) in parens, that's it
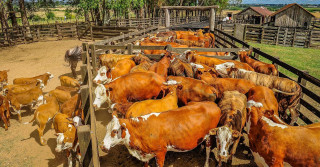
(301, 58)
(313, 9)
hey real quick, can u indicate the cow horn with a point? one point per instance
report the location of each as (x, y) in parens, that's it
(213, 131)
(286, 93)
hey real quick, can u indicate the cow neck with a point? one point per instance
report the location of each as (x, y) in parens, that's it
(232, 119)
(135, 138)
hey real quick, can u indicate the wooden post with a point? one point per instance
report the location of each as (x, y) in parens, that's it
(38, 33)
(169, 48)
(303, 82)
(294, 37)
(91, 34)
(245, 33)
(285, 37)
(262, 34)
(84, 139)
(58, 31)
(309, 40)
(85, 47)
(167, 16)
(94, 59)
(277, 37)
(212, 19)
(130, 48)
(276, 65)
(257, 56)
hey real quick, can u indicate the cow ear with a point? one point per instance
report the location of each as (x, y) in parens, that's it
(269, 113)
(213, 131)
(236, 134)
(249, 52)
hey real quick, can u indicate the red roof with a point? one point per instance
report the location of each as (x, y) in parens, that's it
(260, 10)
(288, 6)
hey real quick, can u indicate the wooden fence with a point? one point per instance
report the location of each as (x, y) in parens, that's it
(311, 112)
(295, 37)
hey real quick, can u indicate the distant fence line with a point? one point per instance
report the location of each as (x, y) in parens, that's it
(82, 30)
(294, 37)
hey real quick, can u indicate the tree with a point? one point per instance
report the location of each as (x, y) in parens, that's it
(24, 18)
(12, 14)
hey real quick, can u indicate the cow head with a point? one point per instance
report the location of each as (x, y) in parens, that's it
(40, 84)
(102, 76)
(243, 55)
(116, 134)
(224, 68)
(65, 140)
(225, 137)
(77, 121)
(50, 75)
(101, 95)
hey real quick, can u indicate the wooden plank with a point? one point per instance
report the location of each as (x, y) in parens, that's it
(83, 133)
(95, 151)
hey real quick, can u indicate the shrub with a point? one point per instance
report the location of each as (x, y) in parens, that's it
(50, 15)
(68, 13)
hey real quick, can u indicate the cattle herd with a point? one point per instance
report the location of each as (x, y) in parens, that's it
(176, 104)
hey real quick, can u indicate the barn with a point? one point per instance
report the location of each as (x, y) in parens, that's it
(258, 15)
(292, 15)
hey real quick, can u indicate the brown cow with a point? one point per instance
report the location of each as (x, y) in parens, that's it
(278, 145)
(288, 91)
(22, 88)
(44, 78)
(4, 78)
(258, 66)
(67, 136)
(69, 82)
(72, 107)
(72, 91)
(169, 102)
(193, 90)
(262, 99)
(131, 87)
(5, 111)
(162, 66)
(62, 96)
(122, 67)
(143, 66)
(110, 60)
(180, 68)
(234, 116)
(152, 135)
(44, 114)
(29, 97)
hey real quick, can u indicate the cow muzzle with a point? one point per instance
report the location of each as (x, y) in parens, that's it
(223, 158)
(103, 148)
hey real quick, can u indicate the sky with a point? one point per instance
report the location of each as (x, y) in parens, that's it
(280, 1)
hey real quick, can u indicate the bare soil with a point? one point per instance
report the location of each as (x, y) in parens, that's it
(20, 145)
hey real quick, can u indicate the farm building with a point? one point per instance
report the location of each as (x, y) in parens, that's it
(292, 15)
(258, 15)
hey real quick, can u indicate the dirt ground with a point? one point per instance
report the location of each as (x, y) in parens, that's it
(20, 145)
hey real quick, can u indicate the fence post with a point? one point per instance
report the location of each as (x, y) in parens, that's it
(212, 19)
(256, 55)
(262, 34)
(169, 48)
(277, 37)
(58, 31)
(294, 37)
(308, 43)
(303, 82)
(130, 48)
(276, 65)
(94, 59)
(285, 37)
(84, 139)
(167, 16)
(245, 33)
(91, 34)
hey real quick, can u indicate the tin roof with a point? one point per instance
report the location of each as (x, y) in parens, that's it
(288, 6)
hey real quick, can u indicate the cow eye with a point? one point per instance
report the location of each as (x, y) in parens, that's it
(114, 131)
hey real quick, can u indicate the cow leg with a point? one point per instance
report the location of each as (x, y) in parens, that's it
(69, 158)
(160, 156)
(146, 164)
(294, 115)
(208, 147)
(234, 147)
(5, 121)
(40, 130)
(19, 115)
(8, 116)
(73, 67)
